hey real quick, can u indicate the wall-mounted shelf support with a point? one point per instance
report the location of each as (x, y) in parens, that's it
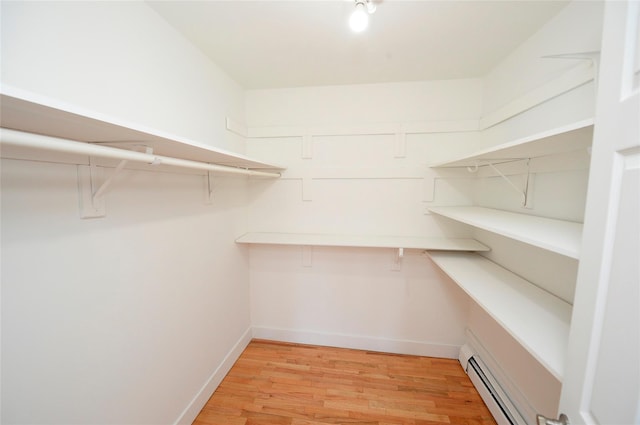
(524, 193)
(91, 191)
(38, 141)
(593, 57)
(526, 201)
(105, 185)
(88, 178)
(431, 178)
(307, 256)
(210, 188)
(397, 259)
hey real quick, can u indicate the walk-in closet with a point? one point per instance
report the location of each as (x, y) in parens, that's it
(458, 180)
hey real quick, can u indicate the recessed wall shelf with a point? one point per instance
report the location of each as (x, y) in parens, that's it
(538, 320)
(570, 137)
(306, 239)
(33, 114)
(559, 236)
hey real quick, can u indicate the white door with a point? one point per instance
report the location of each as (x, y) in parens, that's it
(602, 382)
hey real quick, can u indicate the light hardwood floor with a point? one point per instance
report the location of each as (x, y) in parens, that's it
(290, 384)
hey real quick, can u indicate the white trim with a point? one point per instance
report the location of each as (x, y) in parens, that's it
(421, 127)
(424, 127)
(573, 78)
(358, 342)
(200, 399)
(560, 236)
(365, 241)
(235, 127)
(37, 141)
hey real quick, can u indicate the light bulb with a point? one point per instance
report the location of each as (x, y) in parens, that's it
(359, 18)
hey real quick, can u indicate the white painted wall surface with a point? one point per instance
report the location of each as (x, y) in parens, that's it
(129, 319)
(145, 304)
(444, 100)
(349, 296)
(576, 29)
(121, 319)
(120, 59)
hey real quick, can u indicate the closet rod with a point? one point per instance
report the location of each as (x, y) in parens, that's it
(38, 141)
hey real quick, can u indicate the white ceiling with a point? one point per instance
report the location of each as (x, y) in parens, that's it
(269, 44)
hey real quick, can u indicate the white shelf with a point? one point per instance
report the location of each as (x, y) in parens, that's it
(559, 236)
(31, 113)
(538, 320)
(563, 139)
(306, 239)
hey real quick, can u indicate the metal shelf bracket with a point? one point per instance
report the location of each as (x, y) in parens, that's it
(91, 191)
(526, 200)
(209, 187)
(398, 254)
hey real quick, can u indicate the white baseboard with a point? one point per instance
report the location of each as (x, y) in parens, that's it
(309, 337)
(201, 398)
(395, 346)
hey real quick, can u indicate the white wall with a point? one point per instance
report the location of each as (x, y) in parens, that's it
(134, 317)
(576, 29)
(125, 319)
(558, 185)
(120, 59)
(350, 296)
(355, 183)
(444, 100)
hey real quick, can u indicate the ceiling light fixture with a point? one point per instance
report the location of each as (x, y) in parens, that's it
(359, 19)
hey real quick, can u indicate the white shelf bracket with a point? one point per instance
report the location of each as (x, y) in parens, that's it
(398, 254)
(526, 202)
(209, 188)
(88, 176)
(105, 185)
(91, 192)
(429, 186)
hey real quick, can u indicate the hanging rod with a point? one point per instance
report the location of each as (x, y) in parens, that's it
(38, 141)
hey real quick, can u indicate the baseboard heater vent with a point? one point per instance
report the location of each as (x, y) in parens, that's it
(502, 409)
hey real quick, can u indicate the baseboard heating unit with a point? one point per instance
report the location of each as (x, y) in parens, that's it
(502, 409)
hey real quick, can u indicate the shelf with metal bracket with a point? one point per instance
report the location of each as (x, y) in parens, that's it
(397, 243)
(559, 236)
(42, 129)
(513, 301)
(571, 137)
(523, 192)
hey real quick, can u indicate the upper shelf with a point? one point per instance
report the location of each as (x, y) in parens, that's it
(449, 244)
(559, 236)
(563, 139)
(31, 113)
(538, 320)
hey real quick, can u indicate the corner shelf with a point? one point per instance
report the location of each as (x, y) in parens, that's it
(559, 236)
(307, 239)
(563, 139)
(31, 113)
(538, 320)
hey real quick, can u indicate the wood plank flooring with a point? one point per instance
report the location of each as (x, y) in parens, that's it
(290, 384)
